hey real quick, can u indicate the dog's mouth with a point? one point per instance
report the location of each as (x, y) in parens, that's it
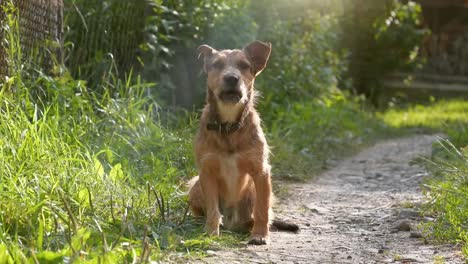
(230, 96)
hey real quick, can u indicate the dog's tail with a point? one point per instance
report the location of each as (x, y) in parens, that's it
(281, 225)
(189, 185)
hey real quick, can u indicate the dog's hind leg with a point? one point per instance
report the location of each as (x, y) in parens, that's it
(196, 198)
(239, 218)
(246, 207)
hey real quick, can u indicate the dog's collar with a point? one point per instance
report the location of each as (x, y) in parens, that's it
(224, 128)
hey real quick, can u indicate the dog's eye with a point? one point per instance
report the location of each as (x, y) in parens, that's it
(244, 65)
(218, 65)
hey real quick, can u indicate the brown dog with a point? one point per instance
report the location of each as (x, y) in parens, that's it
(230, 149)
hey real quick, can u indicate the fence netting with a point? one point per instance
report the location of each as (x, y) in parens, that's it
(40, 22)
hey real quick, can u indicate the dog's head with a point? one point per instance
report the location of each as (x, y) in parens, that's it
(231, 73)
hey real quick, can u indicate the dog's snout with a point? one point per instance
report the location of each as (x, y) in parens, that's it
(231, 79)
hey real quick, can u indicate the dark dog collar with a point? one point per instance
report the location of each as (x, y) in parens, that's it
(224, 128)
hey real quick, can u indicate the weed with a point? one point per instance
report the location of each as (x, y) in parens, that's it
(447, 188)
(307, 136)
(447, 191)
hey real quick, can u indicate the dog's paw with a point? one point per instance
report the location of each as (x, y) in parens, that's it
(212, 231)
(259, 240)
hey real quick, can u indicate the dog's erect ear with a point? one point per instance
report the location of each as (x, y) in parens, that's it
(258, 53)
(206, 52)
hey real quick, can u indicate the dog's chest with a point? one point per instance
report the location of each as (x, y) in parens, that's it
(229, 170)
(231, 176)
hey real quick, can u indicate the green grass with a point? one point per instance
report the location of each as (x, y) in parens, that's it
(447, 189)
(99, 177)
(89, 178)
(450, 117)
(447, 192)
(307, 137)
(93, 177)
(437, 115)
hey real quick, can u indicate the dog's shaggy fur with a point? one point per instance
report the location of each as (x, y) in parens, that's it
(230, 148)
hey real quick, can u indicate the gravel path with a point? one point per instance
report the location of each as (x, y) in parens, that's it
(358, 212)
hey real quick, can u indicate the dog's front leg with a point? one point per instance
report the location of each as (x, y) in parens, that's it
(210, 190)
(262, 207)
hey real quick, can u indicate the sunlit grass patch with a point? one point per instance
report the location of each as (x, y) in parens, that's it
(436, 116)
(450, 117)
(308, 136)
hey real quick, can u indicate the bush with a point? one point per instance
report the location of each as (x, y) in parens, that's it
(101, 34)
(174, 31)
(386, 38)
(308, 137)
(304, 63)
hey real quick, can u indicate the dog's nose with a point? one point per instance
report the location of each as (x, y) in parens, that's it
(231, 79)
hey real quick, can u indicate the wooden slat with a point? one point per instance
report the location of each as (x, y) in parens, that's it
(443, 3)
(427, 86)
(431, 77)
(427, 82)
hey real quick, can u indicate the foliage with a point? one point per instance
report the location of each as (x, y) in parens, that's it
(308, 119)
(164, 40)
(88, 175)
(176, 28)
(308, 137)
(398, 53)
(186, 24)
(98, 34)
(304, 62)
(376, 44)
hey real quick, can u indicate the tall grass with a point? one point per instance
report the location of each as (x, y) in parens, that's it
(447, 188)
(93, 176)
(447, 191)
(309, 136)
(99, 176)
(87, 176)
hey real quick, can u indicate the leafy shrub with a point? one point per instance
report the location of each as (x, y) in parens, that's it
(174, 31)
(393, 51)
(308, 119)
(307, 137)
(376, 44)
(304, 62)
(101, 34)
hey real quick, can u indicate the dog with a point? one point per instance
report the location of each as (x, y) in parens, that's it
(231, 152)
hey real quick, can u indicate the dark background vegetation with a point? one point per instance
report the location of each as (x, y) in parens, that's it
(353, 44)
(97, 148)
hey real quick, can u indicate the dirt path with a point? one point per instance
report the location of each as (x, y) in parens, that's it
(355, 213)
